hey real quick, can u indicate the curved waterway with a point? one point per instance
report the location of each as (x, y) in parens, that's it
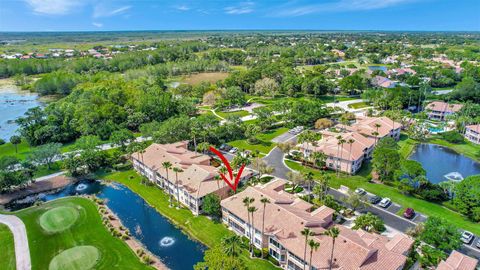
(440, 161)
(13, 104)
(155, 232)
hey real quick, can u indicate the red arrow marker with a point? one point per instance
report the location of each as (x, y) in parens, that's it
(232, 183)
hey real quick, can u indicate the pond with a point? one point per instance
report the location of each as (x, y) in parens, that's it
(155, 232)
(382, 68)
(440, 161)
(13, 104)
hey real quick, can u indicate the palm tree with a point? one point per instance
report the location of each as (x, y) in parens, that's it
(167, 166)
(217, 178)
(232, 245)
(264, 201)
(318, 159)
(377, 126)
(177, 170)
(306, 232)
(313, 247)
(350, 142)
(247, 201)
(340, 143)
(252, 210)
(308, 176)
(375, 134)
(333, 233)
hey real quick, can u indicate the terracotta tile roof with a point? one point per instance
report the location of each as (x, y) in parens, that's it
(366, 125)
(286, 216)
(443, 107)
(458, 261)
(474, 127)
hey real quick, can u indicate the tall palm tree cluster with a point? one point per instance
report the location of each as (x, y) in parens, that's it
(314, 246)
(168, 166)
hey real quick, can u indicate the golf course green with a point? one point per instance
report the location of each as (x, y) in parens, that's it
(68, 234)
(58, 219)
(77, 258)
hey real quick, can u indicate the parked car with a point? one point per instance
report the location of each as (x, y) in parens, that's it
(225, 147)
(375, 199)
(467, 237)
(409, 213)
(385, 202)
(478, 243)
(233, 150)
(360, 191)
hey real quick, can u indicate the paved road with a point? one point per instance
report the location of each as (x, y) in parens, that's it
(344, 105)
(22, 252)
(275, 159)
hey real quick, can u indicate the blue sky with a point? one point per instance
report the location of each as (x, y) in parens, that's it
(99, 15)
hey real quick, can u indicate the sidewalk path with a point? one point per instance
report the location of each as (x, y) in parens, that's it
(22, 251)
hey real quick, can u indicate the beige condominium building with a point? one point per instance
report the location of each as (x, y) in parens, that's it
(359, 140)
(196, 179)
(279, 231)
(472, 133)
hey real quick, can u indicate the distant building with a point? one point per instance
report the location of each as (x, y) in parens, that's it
(439, 110)
(472, 133)
(380, 81)
(286, 216)
(458, 261)
(197, 180)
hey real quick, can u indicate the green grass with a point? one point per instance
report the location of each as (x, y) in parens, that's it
(264, 144)
(422, 206)
(76, 258)
(7, 250)
(58, 219)
(358, 105)
(201, 228)
(406, 145)
(87, 230)
(241, 113)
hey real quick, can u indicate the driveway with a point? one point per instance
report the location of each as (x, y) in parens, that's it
(344, 105)
(275, 159)
(22, 251)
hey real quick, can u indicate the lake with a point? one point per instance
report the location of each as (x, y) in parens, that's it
(152, 229)
(382, 68)
(13, 104)
(439, 161)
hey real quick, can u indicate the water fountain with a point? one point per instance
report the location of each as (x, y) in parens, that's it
(167, 241)
(81, 187)
(454, 176)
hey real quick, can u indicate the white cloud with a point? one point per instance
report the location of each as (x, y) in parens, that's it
(104, 11)
(54, 7)
(182, 7)
(337, 6)
(96, 24)
(241, 8)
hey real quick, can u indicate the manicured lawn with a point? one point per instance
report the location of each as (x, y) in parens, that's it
(201, 228)
(358, 105)
(7, 250)
(87, 230)
(236, 113)
(264, 144)
(422, 206)
(8, 149)
(406, 145)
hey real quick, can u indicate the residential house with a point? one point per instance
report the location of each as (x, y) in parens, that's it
(472, 133)
(196, 180)
(279, 231)
(458, 261)
(439, 110)
(380, 81)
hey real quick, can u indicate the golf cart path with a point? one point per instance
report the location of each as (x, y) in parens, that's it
(22, 251)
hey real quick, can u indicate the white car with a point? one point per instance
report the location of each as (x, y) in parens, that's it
(233, 150)
(360, 191)
(385, 202)
(467, 237)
